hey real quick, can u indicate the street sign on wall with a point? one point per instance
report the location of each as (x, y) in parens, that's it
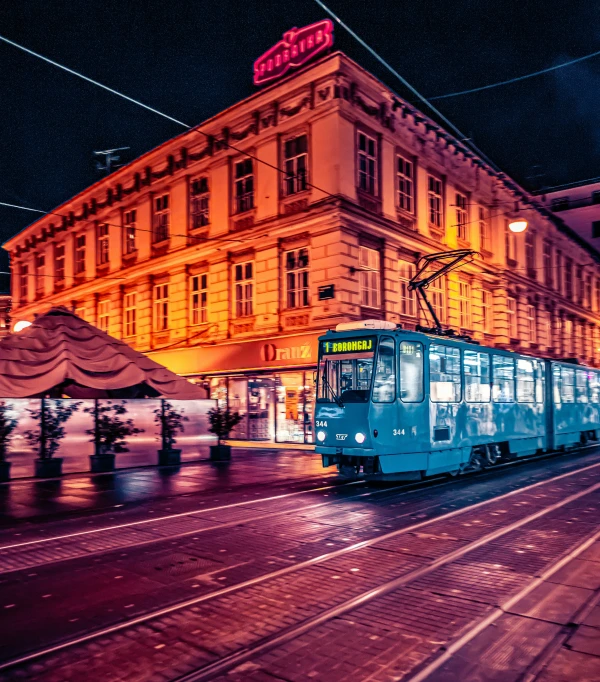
(297, 47)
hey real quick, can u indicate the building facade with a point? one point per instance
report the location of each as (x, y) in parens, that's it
(579, 206)
(5, 310)
(225, 252)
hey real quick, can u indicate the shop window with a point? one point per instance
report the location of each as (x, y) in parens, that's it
(199, 299)
(384, 381)
(408, 298)
(244, 286)
(435, 201)
(103, 244)
(130, 226)
(161, 307)
(296, 278)
(161, 219)
(477, 377)
(80, 254)
(130, 308)
(369, 277)
(525, 381)
(503, 378)
(367, 163)
(444, 374)
(461, 217)
(103, 315)
(244, 186)
(411, 372)
(405, 183)
(59, 263)
(295, 159)
(199, 203)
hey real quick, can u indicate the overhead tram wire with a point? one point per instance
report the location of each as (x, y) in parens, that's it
(195, 129)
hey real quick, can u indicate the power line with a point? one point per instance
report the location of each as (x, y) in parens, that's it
(517, 78)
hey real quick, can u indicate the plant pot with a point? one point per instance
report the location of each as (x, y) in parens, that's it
(220, 453)
(4, 471)
(169, 458)
(48, 468)
(101, 464)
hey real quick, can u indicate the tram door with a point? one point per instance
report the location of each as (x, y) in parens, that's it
(384, 420)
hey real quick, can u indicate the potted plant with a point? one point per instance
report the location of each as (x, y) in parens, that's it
(109, 434)
(7, 426)
(222, 422)
(171, 424)
(52, 416)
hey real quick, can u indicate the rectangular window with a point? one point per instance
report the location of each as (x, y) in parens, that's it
(568, 268)
(369, 277)
(296, 278)
(161, 307)
(477, 377)
(484, 230)
(411, 372)
(103, 315)
(130, 307)
(503, 380)
(384, 381)
(487, 311)
(513, 330)
(568, 336)
(581, 386)
(40, 274)
(530, 254)
(587, 291)
(244, 186)
(80, 312)
(199, 298)
(129, 225)
(461, 217)
(161, 219)
(548, 265)
(59, 263)
(567, 385)
(244, 285)
(525, 381)
(199, 203)
(594, 381)
(405, 183)
(437, 296)
(408, 299)
(434, 200)
(558, 270)
(510, 243)
(102, 244)
(464, 304)
(24, 284)
(532, 324)
(367, 163)
(295, 160)
(444, 374)
(560, 204)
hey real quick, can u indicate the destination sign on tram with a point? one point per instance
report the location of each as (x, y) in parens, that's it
(362, 344)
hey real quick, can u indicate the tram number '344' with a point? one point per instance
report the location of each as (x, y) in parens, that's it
(398, 432)
(321, 423)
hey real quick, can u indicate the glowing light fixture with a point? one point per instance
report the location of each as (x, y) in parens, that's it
(20, 325)
(360, 438)
(321, 436)
(517, 223)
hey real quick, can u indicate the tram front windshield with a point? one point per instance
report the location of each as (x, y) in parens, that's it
(346, 370)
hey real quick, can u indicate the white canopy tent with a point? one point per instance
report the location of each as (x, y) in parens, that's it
(60, 354)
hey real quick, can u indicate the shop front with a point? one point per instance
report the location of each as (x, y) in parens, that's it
(269, 382)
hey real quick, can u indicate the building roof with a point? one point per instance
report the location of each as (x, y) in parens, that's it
(63, 353)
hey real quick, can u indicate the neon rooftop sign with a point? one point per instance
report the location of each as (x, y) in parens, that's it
(298, 46)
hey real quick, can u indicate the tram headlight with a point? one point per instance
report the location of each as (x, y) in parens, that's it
(321, 436)
(360, 438)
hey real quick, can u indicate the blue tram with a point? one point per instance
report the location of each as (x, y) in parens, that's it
(403, 405)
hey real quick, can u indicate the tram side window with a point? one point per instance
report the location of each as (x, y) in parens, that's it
(538, 368)
(581, 382)
(594, 388)
(477, 377)
(504, 379)
(384, 384)
(556, 383)
(567, 385)
(411, 372)
(525, 381)
(444, 374)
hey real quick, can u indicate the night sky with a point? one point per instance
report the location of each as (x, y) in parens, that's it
(193, 59)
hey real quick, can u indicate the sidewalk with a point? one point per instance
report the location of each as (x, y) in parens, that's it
(29, 498)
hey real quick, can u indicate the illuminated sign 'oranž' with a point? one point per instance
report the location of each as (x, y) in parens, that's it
(297, 47)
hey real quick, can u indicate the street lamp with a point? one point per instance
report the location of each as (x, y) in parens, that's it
(517, 223)
(20, 325)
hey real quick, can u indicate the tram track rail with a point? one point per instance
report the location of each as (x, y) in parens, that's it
(228, 661)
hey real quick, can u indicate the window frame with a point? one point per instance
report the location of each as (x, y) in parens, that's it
(500, 362)
(243, 185)
(391, 398)
(405, 183)
(198, 299)
(244, 303)
(104, 315)
(59, 263)
(298, 295)
(484, 230)
(296, 181)
(435, 202)
(479, 354)
(464, 304)
(161, 218)
(102, 244)
(456, 353)
(369, 175)
(418, 347)
(407, 299)
(24, 283)
(199, 203)
(130, 314)
(462, 217)
(365, 283)
(129, 231)
(160, 322)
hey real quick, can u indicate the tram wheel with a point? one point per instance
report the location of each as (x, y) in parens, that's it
(492, 454)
